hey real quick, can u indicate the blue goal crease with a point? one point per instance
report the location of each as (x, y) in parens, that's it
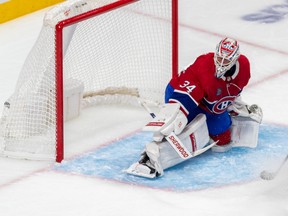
(208, 170)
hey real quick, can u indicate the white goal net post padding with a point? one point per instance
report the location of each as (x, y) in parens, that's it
(99, 44)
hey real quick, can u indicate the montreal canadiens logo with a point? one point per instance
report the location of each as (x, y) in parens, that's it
(222, 105)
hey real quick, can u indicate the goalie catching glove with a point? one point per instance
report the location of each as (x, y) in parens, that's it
(239, 108)
(170, 119)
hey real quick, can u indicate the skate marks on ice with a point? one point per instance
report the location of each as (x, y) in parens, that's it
(208, 170)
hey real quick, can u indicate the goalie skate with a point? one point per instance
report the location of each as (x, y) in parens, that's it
(142, 170)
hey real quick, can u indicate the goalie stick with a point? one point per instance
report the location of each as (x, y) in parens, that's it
(266, 175)
(175, 142)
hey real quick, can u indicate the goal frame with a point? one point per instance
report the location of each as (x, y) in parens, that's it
(59, 59)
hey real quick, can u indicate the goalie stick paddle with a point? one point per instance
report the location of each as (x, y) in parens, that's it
(266, 175)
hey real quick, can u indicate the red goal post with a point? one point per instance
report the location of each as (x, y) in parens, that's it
(32, 124)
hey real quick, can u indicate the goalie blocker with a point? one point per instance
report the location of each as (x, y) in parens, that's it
(192, 141)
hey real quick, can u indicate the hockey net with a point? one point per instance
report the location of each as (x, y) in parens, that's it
(119, 48)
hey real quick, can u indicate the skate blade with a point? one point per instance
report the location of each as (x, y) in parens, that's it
(137, 169)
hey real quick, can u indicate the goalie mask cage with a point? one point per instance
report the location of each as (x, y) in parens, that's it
(124, 44)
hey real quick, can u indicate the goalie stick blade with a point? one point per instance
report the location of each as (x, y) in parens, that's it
(271, 175)
(137, 169)
(200, 151)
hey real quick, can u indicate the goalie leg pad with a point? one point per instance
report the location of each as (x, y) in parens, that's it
(162, 155)
(244, 132)
(194, 137)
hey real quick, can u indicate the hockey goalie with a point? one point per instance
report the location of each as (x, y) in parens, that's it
(203, 110)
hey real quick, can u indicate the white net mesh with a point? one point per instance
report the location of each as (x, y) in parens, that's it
(128, 47)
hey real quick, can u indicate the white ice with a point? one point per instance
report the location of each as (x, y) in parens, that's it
(32, 188)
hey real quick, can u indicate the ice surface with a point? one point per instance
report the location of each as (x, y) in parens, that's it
(90, 181)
